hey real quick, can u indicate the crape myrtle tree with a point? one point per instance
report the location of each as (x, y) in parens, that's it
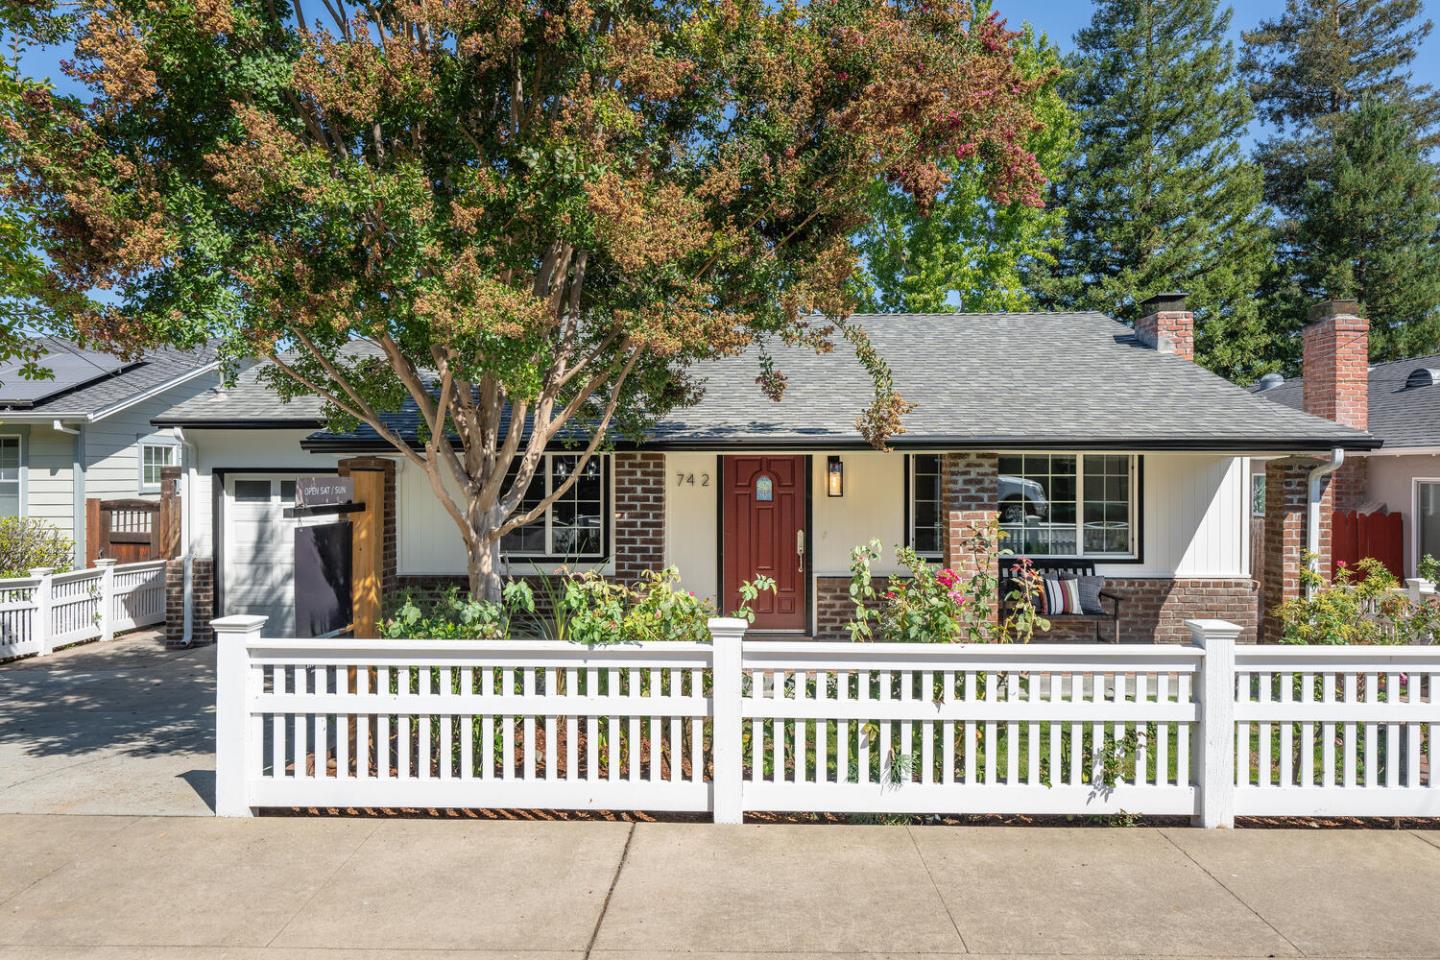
(539, 215)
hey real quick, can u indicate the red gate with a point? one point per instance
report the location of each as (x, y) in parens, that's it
(1355, 536)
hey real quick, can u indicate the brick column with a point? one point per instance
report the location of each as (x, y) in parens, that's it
(970, 487)
(202, 596)
(390, 559)
(1286, 495)
(639, 514)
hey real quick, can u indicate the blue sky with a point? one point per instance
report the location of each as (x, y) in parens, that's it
(1060, 20)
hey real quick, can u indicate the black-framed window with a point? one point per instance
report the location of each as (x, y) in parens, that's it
(924, 511)
(575, 526)
(1070, 504)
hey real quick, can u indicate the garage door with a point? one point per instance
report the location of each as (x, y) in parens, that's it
(259, 562)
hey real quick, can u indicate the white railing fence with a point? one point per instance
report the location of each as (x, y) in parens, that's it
(47, 610)
(1205, 730)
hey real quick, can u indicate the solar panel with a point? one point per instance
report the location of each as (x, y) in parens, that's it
(72, 367)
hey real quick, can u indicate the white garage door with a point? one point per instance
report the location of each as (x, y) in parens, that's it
(259, 576)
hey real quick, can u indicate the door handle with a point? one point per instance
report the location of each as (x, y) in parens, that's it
(800, 549)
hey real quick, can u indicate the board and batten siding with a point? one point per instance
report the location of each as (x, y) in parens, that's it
(1196, 518)
(430, 543)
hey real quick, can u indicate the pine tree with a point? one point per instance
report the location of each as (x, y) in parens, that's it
(1159, 196)
(1310, 67)
(966, 251)
(1346, 176)
(1367, 230)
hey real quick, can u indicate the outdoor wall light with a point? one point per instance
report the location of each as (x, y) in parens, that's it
(835, 476)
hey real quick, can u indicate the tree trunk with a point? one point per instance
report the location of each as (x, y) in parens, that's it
(482, 557)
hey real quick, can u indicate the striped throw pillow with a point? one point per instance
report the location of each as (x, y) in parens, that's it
(1060, 596)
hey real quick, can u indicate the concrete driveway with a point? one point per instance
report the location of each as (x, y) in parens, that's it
(124, 728)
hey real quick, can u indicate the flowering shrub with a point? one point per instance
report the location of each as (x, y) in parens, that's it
(1361, 606)
(938, 604)
(594, 610)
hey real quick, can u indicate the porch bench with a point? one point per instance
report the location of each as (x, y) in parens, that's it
(1053, 567)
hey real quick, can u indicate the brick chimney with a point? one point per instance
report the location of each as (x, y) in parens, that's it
(1337, 363)
(1337, 384)
(1168, 325)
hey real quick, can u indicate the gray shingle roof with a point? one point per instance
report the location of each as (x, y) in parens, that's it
(977, 380)
(91, 396)
(1400, 416)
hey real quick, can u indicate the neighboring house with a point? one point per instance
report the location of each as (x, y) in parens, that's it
(1399, 404)
(1085, 437)
(87, 432)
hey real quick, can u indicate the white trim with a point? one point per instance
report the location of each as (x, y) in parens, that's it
(168, 443)
(549, 555)
(1400, 452)
(130, 401)
(1415, 519)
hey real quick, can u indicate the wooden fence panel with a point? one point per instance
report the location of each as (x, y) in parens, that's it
(1355, 536)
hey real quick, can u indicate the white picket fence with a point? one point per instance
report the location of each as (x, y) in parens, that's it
(735, 725)
(48, 610)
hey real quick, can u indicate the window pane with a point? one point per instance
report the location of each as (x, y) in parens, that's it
(1427, 520)
(529, 539)
(9, 458)
(252, 491)
(9, 499)
(287, 491)
(575, 515)
(925, 512)
(1107, 504)
(1037, 504)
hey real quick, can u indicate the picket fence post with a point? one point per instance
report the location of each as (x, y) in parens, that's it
(1214, 738)
(727, 635)
(232, 693)
(40, 626)
(107, 597)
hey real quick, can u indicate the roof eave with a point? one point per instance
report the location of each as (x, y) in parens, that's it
(320, 443)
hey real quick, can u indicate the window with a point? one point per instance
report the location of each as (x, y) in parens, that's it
(153, 456)
(10, 460)
(574, 525)
(1427, 519)
(1069, 505)
(924, 521)
(1257, 494)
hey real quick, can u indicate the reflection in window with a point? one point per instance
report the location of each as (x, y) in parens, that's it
(1068, 504)
(574, 525)
(925, 510)
(9, 476)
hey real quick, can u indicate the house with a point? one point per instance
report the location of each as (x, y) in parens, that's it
(1399, 404)
(1085, 437)
(86, 432)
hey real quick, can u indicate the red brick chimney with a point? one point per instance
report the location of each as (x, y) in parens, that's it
(1337, 364)
(1168, 325)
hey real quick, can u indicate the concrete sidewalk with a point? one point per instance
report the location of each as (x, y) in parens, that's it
(118, 887)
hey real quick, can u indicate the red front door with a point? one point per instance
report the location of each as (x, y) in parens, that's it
(764, 513)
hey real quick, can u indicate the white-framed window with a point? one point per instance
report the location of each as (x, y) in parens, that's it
(1425, 539)
(155, 454)
(924, 513)
(12, 459)
(1070, 504)
(574, 526)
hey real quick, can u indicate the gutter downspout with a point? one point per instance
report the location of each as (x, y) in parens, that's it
(1312, 506)
(188, 455)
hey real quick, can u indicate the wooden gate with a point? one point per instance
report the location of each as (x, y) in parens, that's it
(1355, 536)
(132, 531)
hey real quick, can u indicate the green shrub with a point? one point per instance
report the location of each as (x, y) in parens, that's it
(455, 616)
(1359, 607)
(1428, 569)
(26, 543)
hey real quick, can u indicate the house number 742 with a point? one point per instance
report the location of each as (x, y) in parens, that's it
(688, 479)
